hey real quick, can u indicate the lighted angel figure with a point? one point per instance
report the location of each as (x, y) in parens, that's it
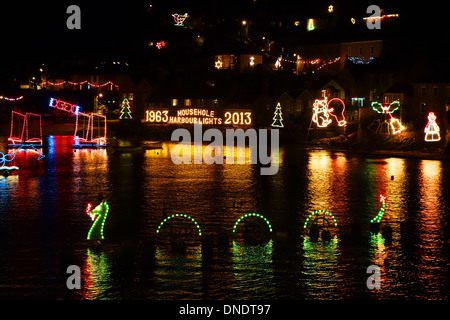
(386, 123)
(432, 129)
(179, 18)
(323, 111)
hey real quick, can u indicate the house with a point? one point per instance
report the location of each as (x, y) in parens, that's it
(237, 62)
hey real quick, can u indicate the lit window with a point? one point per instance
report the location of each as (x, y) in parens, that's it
(187, 102)
(174, 102)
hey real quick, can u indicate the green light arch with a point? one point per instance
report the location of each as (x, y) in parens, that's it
(317, 212)
(252, 215)
(179, 215)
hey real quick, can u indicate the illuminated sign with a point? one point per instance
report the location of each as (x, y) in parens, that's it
(201, 116)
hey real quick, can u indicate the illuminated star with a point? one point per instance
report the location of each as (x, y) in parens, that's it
(219, 64)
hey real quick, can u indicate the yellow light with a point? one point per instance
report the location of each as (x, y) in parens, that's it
(330, 8)
(311, 25)
(244, 22)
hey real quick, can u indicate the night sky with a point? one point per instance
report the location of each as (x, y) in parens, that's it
(36, 32)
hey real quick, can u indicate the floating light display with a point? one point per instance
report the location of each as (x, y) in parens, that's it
(322, 214)
(323, 111)
(179, 19)
(257, 215)
(11, 99)
(182, 216)
(20, 131)
(7, 158)
(277, 118)
(380, 214)
(432, 129)
(125, 112)
(6, 170)
(98, 215)
(389, 123)
(87, 138)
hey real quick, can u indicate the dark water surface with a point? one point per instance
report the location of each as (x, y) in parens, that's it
(43, 226)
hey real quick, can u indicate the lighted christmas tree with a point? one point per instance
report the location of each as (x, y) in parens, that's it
(277, 118)
(125, 112)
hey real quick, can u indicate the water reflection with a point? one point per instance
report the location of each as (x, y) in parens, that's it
(252, 270)
(46, 202)
(430, 221)
(320, 277)
(96, 276)
(179, 276)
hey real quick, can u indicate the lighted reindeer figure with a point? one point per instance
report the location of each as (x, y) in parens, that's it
(323, 112)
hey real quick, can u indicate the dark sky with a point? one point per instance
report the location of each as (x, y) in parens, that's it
(31, 32)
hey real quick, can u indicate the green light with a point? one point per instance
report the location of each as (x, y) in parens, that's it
(100, 212)
(317, 212)
(252, 215)
(380, 214)
(179, 215)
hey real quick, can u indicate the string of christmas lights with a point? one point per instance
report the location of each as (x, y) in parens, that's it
(360, 60)
(11, 99)
(385, 16)
(179, 215)
(252, 215)
(110, 83)
(325, 63)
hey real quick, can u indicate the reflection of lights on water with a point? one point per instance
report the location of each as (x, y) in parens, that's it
(252, 266)
(378, 249)
(320, 268)
(96, 276)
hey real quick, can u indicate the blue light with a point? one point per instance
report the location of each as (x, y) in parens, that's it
(51, 102)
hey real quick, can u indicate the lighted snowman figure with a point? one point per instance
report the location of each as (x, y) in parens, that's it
(432, 129)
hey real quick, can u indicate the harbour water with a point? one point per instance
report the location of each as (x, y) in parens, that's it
(43, 226)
